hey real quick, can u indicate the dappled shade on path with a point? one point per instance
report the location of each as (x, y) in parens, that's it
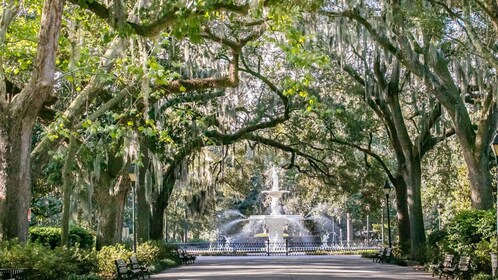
(292, 267)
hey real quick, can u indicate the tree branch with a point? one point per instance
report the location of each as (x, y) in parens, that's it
(167, 19)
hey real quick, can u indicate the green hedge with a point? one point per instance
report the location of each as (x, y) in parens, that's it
(156, 255)
(47, 264)
(471, 233)
(51, 236)
(74, 263)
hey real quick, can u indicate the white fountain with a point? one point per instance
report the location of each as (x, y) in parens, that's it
(276, 221)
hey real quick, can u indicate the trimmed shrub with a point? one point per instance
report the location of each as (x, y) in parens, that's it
(158, 255)
(106, 257)
(51, 236)
(83, 277)
(482, 276)
(44, 263)
(48, 236)
(470, 233)
(82, 237)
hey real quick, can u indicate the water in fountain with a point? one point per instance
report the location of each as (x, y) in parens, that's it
(276, 221)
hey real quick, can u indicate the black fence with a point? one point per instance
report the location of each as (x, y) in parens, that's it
(277, 248)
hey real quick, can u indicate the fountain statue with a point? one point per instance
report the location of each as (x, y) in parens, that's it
(276, 221)
(325, 240)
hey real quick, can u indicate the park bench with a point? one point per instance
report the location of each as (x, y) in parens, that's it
(125, 272)
(13, 273)
(135, 264)
(385, 256)
(461, 269)
(446, 263)
(185, 257)
(378, 254)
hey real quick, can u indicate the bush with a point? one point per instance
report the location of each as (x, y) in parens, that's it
(157, 255)
(81, 236)
(435, 242)
(83, 277)
(48, 236)
(470, 233)
(482, 276)
(51, 236)
(106, 257)
(44, 263)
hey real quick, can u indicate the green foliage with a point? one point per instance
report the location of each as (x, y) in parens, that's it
(51, 236)
(156, 255)
(434, 243)
(106, 257)
(48, 236)
(81, 236)
(83, 277)
(44, 263)
(470, 233)
(482, 276)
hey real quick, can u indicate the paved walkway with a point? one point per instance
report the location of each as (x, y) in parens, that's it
(290, 268)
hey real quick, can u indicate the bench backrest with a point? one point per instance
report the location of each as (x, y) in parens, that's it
(121, 266)
(448, 260)
(464, 263)
(134, 262)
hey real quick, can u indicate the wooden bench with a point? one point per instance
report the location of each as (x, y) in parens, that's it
(185, 257)
(385, 256)
(13, 273)
(378, 254)
(461, 269)
(135, 264)
(446, 263)
(124, 272)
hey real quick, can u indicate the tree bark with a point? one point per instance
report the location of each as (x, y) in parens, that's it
(413, 178)
(480, 178)
(16, 124)
(15, 183)
(143, 211)
(110, 198)
(404, 232)
(161, 202)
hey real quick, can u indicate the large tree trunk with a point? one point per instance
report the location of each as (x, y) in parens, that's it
(110, 201)
(143, 215)
(479, 177)
(144, 209)
(16, 124)
(15, 182)
(157, 219)
(404, 233)
(161, 202)
(413, 178)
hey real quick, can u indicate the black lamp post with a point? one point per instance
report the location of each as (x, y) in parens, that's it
(367, 208)
(387, 190)
(133, 179)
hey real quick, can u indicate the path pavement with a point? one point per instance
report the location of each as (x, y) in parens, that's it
(290, 268)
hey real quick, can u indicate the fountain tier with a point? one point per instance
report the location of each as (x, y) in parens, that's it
(276, 221)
